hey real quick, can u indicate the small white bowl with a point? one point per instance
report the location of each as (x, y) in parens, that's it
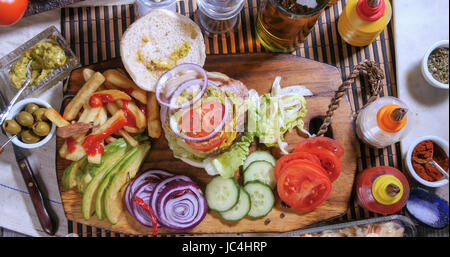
(437, 140)
(425, 72)
(20, 106)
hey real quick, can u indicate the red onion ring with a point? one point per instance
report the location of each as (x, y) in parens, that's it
(143, 178)
(161, 185)
(154, 191)
(180, 205)
(174, 126)
(170, 73)
(141, 215)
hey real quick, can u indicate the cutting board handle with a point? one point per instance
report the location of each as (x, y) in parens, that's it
(375, 76)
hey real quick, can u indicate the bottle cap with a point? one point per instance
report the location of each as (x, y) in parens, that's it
(392, 118)
(371, 10)
(387, 189)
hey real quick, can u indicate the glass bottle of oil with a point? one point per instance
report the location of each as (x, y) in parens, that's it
(362, 21)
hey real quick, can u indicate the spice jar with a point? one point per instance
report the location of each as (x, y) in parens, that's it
(383, 122)
(383, 190)
(144, 6)
(218, 16)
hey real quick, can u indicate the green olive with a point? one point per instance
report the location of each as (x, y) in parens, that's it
(12, 127)
(29, 137)
(39, 115)
(25, 119)
(32, 107)
(41, 128)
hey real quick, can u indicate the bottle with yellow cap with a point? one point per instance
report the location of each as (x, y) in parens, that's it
(362, 21)
(383, 190)
(383, 122)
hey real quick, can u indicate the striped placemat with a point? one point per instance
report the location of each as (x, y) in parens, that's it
(94, 34)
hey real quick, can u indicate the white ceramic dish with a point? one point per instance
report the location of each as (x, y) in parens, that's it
(18, 107)
(425, 72)
(439, 141)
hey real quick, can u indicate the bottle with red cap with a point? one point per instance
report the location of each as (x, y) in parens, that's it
(362, 21)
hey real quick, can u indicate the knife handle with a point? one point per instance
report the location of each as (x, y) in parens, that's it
(36, 197)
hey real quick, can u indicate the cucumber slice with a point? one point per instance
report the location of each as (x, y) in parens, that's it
(261, 171)
(222, 193)
(259, 156)
(239, 210)
(261, 197)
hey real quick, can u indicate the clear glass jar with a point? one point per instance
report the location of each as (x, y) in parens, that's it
(144, 6)
(218, 16)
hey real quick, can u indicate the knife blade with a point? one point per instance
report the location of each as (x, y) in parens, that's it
(47, 223)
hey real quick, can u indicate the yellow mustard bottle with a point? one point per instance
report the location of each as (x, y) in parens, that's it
(362, 21)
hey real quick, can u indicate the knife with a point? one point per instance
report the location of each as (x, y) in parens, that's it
(45, 220)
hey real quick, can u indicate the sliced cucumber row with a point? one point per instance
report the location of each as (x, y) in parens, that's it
(261, 171)
(261, 198)
(222, 193)
(240, 209)
(259, 156)
(254, 199)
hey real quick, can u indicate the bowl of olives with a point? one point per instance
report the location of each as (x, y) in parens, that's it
(27, 120)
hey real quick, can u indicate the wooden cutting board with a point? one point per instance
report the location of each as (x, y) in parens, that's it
(257, 71)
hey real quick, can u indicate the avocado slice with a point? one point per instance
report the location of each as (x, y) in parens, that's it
(84, 178)
(70, 173)
(80, 176)
(112, 200)
(110, 159)
(110, 151)
(99, 210)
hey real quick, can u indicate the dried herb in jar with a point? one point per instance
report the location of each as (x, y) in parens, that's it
(438, 64)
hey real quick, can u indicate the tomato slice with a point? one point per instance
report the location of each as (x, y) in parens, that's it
(303, 188)
(286, 159)
(208, 144)
(329, 161)
(201, 122)
(320, 142)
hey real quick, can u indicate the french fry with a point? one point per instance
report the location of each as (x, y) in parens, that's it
(101, 117)
(83, 96)
(153, 119)
(112, 109)
(105, 130)
(56, 118)
(115, 94)
(77, 154)
(119, 115)
(128, 138)
(110, 139)
(89, 114)
(87, 74)
(95, 159)
(141, 120)
(120, 80)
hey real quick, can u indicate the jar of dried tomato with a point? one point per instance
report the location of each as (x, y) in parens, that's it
(383, 190)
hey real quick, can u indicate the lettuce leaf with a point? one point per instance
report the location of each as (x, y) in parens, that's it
(281, 111)
(227, 163)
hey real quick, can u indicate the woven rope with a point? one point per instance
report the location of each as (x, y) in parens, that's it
(375, 75)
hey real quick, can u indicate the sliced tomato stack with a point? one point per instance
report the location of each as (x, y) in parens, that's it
(305, 176)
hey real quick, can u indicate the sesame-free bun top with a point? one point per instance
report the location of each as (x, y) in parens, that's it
(149, 44)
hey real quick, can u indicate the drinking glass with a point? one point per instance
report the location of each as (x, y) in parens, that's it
(283, 24)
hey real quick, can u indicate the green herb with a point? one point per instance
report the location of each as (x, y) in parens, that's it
(438, 64)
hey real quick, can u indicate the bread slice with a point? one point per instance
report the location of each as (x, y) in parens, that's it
(147, 45)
